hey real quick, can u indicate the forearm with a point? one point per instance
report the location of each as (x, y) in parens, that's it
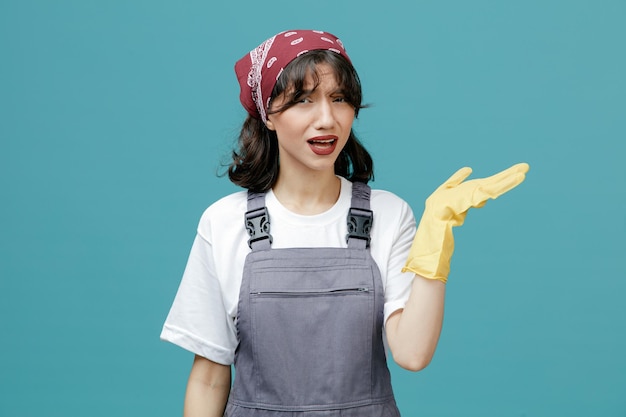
(413, 333)
(207, 389)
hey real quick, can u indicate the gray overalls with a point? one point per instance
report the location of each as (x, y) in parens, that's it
(310, 325)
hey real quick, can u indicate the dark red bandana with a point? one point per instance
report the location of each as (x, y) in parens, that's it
(258, 70)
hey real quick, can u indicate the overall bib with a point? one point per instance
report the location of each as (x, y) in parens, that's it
(310, 324)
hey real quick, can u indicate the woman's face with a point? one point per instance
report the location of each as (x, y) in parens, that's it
(312, 133)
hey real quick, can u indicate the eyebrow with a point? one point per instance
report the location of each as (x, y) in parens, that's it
(307, 92)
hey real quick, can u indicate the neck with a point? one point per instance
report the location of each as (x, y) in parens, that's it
(312, 195)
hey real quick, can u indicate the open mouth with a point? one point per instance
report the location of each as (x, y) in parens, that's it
(323, 145)
(322, 142)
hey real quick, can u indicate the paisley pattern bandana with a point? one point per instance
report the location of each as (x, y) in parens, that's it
(258, 70)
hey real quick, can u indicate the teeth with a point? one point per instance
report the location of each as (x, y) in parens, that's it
(323, 141)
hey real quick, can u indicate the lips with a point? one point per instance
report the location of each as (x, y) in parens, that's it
(323, 145)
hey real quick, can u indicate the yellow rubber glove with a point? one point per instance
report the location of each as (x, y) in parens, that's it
(447, 207)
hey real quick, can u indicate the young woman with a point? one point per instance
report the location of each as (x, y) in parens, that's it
(299, 280)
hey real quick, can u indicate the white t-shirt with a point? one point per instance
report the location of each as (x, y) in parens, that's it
(202, 317)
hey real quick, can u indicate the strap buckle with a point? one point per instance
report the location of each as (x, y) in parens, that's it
(258, 225)
(360, 224)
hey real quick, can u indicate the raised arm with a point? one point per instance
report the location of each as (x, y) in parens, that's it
(413, 332)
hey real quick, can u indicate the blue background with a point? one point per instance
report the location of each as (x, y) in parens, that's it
(115, 115)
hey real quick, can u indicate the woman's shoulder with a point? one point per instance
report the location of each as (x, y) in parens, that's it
(390, 210)
(232, 201)
(387, 200)
(225, 211)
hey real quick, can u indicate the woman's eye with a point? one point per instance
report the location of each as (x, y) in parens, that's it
(339, 99)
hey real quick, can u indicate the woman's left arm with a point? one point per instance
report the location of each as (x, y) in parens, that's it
(413, 332)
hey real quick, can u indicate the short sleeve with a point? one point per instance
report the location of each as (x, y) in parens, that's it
(198, 320)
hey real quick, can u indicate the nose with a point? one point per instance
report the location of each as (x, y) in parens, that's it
(324, 115)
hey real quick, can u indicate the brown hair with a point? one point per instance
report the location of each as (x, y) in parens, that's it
(255, 160)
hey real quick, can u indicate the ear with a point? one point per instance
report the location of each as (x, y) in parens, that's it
(270, 125)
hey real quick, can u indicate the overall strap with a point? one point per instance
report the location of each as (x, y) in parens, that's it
(360, 217)
(257, 221)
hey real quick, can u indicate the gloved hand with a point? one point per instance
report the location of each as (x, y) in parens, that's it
(447, 207)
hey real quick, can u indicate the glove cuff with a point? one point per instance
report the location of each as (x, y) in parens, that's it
(432, 250)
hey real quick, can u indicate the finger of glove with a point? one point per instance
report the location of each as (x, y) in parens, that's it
(521, 168)
(494, 189)
(503, 181)
(457, 178)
